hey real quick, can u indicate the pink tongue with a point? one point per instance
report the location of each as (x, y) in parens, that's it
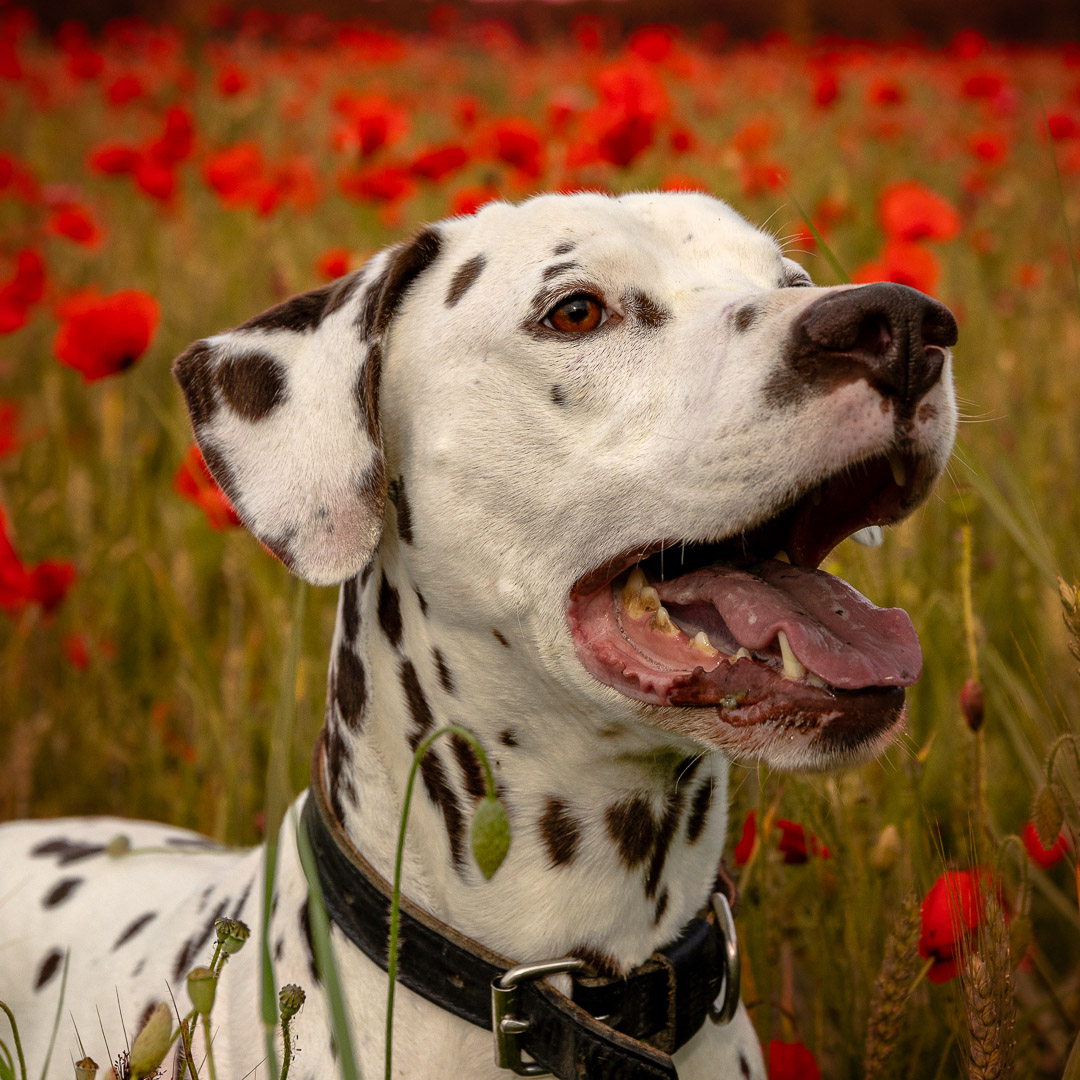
(832, 628)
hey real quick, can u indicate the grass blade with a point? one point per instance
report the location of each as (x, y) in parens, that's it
(827, 251)
(56, 1019)
(18, 1040)
(278, 796)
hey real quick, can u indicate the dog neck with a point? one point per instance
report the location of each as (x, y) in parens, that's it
(616, 834)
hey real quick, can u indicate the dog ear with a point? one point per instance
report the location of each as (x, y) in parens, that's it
(285, 409)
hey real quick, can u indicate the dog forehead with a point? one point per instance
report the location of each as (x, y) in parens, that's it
(684, 235)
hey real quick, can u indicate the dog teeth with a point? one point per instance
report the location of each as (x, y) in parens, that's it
(661, 622)
(700, 642)
(782, 556)
(649, 599)
(873, 536)
(638, 596)
(899, 469)
(792, 668)
(816, 680)
(742, 654)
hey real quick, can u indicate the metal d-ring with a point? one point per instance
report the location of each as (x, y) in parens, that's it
(723, 1008)
(506, 1026)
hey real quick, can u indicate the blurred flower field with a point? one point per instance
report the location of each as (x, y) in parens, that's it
(158, 184)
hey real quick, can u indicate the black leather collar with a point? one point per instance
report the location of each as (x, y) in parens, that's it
(648, 1014)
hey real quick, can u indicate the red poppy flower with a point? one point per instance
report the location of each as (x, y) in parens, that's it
(235, 172)
(232, 80)
(745, 847)
(795, 846)
(125, 88)
(20, 585)
(333, 263)
(951, 912)
(439, 162)
(76, 224)
(1062, 125)
(519, 143)
(177, 138)
(154, 178)
(21, 291)
(885, 92)
(763, 177)
(19, 180)
(104, 335)
(113, 159)
(826, 89)
(626, 138)
(192, 481)
(983, 84)
(909, 210)
(385, 184)
(468, 200)
(791, 1061)
(372, 122)
(988, 146)
(76, 651)
(683, 182)
(1043, 857)
(906, 264)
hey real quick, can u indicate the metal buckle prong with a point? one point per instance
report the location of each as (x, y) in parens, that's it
(505, 1026)
(723, 1008)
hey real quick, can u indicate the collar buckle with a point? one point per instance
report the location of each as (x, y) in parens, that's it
(722, 1010)
(506, 1026)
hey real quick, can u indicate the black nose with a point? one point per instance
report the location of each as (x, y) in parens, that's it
(891, 335)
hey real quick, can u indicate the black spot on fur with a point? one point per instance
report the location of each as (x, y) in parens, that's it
(398, 497)
(471, 770)
(744, 1066)
(195, 944)
(206, 894)
(306, 311)
(647, 311)
(605, 966)
(661, 907)
(337, 757)
(226, 478)
(633, 828)
(133, 928)
(443, 795)
(350, 688)
(350, 609)
(508, 737)
(367, 391)
(556, 269)
(564, 248)
(49, 967)
(407, 265)
(500, 639)
(253, 384)
(61, 891)
(279, 948)
(194, 372)
(419, 710)
(68, 851)
(389, 609)
(560, 831)
(464, 277)
(309, 941)
(446, 680)
(557, 396)
(746, 317)
(699, 811)
(421, 601)
(669, 823)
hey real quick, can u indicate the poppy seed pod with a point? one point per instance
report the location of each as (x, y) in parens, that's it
(972, 704)
(151, 1044)
(202, 988)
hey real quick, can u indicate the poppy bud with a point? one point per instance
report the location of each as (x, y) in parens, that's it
(151, 1044)
(885, 852)
(86, 1069)
(1047, 815)
(972, 704)
(489, 835)
(201, 988)
(1019, 938)
(231, 935)
(117, 846)
(291, 998)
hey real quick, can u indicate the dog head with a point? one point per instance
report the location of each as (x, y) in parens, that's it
(627, 428)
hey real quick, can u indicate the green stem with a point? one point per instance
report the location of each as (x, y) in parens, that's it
(832, 260)
(1061, 203)
(18, 1041)
(56, 1020)
(395, 904)
(209, 1046)
(286, 1057)
(185, 1035)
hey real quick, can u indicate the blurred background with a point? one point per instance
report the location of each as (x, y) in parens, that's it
(168, 170)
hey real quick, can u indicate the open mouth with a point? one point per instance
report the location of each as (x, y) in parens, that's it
(749, 625)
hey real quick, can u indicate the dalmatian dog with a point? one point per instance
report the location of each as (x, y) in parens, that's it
(575, 463)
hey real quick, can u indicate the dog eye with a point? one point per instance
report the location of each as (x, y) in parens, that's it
(577, 314)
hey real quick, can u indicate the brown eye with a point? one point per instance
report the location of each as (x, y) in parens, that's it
(577, 314)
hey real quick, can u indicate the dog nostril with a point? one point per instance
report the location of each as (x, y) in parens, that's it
(874, 335)
(939, 327)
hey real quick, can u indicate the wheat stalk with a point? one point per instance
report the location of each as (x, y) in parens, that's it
(988, 998)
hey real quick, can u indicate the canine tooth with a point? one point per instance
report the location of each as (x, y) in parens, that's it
(782, 556)
(661, 622)
(742, 654)
(632, 595)
(899, 469)
(637, 580)
(815, 680)
(700, 642)
(650, 599)
(873, 536)
(792, 668)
